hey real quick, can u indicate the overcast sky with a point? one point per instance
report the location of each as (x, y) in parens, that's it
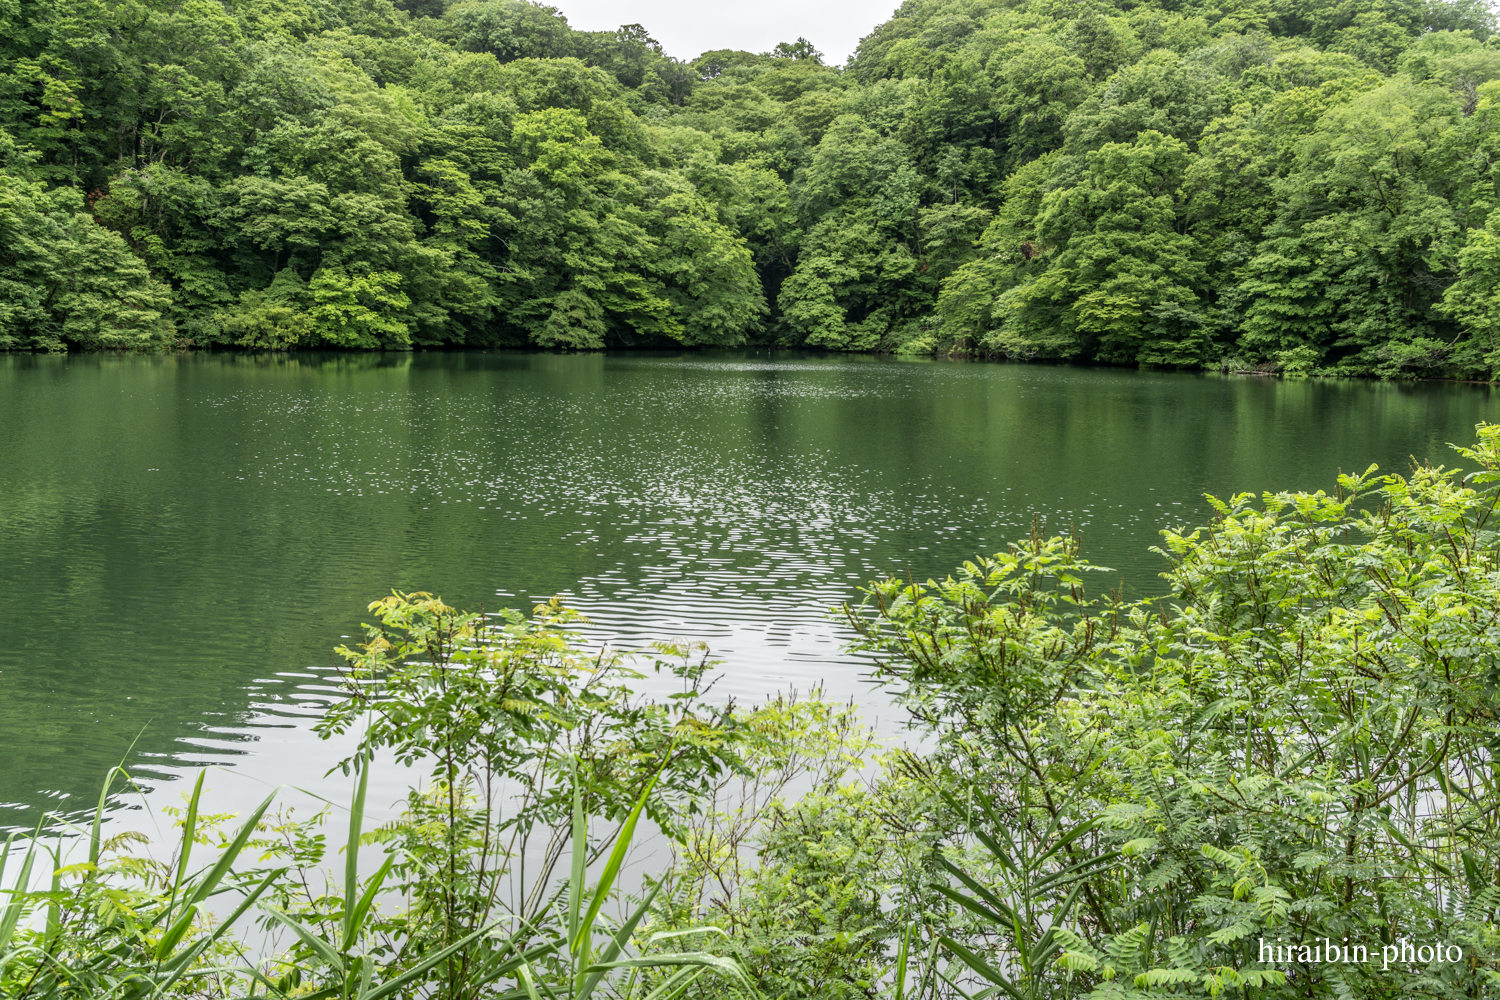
(687, 27)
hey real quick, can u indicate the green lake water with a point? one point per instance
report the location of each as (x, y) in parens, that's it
(183, 539)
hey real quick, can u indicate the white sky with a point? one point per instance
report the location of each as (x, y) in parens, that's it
(686, 28)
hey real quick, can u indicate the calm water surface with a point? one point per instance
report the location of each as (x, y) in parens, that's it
(183, 540)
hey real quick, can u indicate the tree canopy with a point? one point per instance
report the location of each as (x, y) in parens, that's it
(1310, 186)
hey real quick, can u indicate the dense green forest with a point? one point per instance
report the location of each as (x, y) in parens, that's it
(1306, 186)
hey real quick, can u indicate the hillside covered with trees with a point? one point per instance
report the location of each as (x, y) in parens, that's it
(1311, 185)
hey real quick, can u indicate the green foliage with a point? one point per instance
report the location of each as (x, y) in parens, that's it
(1474, 299)
(508, 29)
(1145, 183)
(1297, 362)
(66, 280)
(1296, 744)
(346, 176)
(796, 861)
(1120, 278)
(521, 729)
(513, 705)
(358, 310)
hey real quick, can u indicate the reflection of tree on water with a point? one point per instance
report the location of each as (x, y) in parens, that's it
(186, 534)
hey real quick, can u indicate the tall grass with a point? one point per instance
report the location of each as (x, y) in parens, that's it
(123, 927)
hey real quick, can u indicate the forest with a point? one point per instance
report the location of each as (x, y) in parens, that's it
(1261, 185)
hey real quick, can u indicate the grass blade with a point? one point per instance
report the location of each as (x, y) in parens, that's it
(580, 857)
(427, 964)
(524, 975)
(54, 908)
(189, 832)
(174, 969)
(700, 960)
(366, 901)
(321, 948)
(612, 867)
(617, 943)
(11, 915)
(901, 963)
(351, 855)
(221, 868)
(979, 965)
(94, 841)
(174, 933)
(675, 984)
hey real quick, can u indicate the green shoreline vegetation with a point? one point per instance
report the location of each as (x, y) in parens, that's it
(1248, 185)
(1297, 744)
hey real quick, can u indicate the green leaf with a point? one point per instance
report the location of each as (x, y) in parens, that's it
(612, 867)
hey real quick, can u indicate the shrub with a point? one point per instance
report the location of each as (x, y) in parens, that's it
(1296, 747)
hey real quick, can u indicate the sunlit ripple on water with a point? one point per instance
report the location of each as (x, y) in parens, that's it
(192, 536)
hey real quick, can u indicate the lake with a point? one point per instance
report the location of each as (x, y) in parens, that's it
(183, 539)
